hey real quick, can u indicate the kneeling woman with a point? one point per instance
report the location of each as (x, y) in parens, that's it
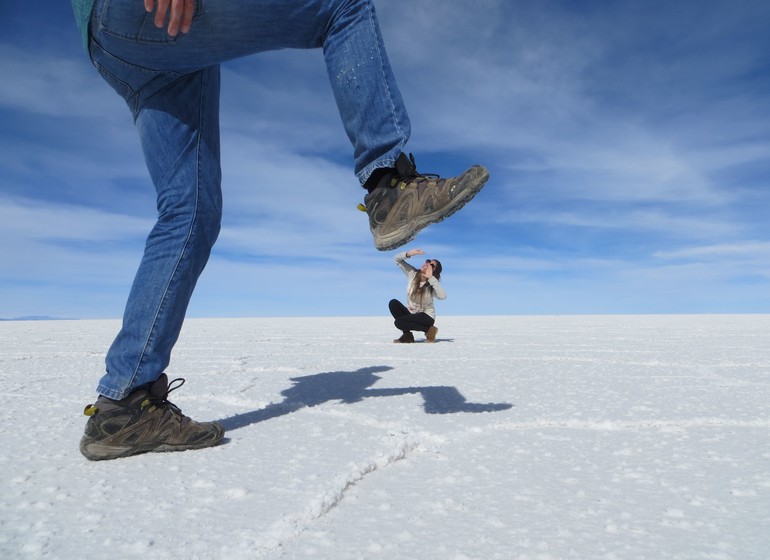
(423, 285)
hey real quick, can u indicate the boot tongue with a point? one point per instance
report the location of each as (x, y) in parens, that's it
(380, 178)
(405, 166)
(160, 387)
(383, 177)
(157, 389)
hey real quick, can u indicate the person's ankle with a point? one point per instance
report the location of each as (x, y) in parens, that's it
(380, 177)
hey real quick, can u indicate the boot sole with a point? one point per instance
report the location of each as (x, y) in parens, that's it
(98, 451)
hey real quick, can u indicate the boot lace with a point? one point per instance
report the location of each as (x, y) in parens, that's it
(406, 171)
(161, 402)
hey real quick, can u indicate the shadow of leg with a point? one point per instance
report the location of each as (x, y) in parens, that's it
(448, 400)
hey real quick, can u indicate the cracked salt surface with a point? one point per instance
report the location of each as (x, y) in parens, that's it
(512, 437)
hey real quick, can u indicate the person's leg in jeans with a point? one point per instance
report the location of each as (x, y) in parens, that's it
(363, 84)
(176, 112)
(182, 154)
(179, 131)
(171, 85)
(177, 118)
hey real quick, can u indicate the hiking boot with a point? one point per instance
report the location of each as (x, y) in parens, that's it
(430, 334)
(405, 338)
(143, 421)
(401, 201)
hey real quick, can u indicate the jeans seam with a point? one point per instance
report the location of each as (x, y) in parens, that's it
(182, 254)
(390, 161)
(373, 26)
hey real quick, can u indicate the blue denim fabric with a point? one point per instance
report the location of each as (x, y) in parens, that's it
(171, 85)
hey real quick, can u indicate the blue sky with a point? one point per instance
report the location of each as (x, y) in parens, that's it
(627, 141)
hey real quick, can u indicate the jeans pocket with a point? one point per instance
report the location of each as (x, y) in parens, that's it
(127, 19)
(126, 79)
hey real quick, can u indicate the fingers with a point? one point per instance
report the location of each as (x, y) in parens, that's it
(180, 14)
(161, 9)
(187, 16)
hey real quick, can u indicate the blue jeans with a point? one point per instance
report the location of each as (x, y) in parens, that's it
(171, 85)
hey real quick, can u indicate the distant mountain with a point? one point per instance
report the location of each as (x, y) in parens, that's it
(37, 318)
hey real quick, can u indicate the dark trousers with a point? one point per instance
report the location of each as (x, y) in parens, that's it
(406, 321)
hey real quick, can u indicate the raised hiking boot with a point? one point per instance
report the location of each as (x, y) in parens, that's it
(401, 201)
(142, 422)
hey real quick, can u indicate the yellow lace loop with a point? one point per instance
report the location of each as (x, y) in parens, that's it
(90, 410)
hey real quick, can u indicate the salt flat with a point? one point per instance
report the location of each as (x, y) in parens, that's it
(612, 437)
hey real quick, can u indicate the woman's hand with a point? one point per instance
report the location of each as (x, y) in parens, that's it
(413, 252)
(179, 12)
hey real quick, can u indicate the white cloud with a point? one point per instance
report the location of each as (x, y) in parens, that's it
(68, 245)
(52, 84)
(61, 222)
(746, 249)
